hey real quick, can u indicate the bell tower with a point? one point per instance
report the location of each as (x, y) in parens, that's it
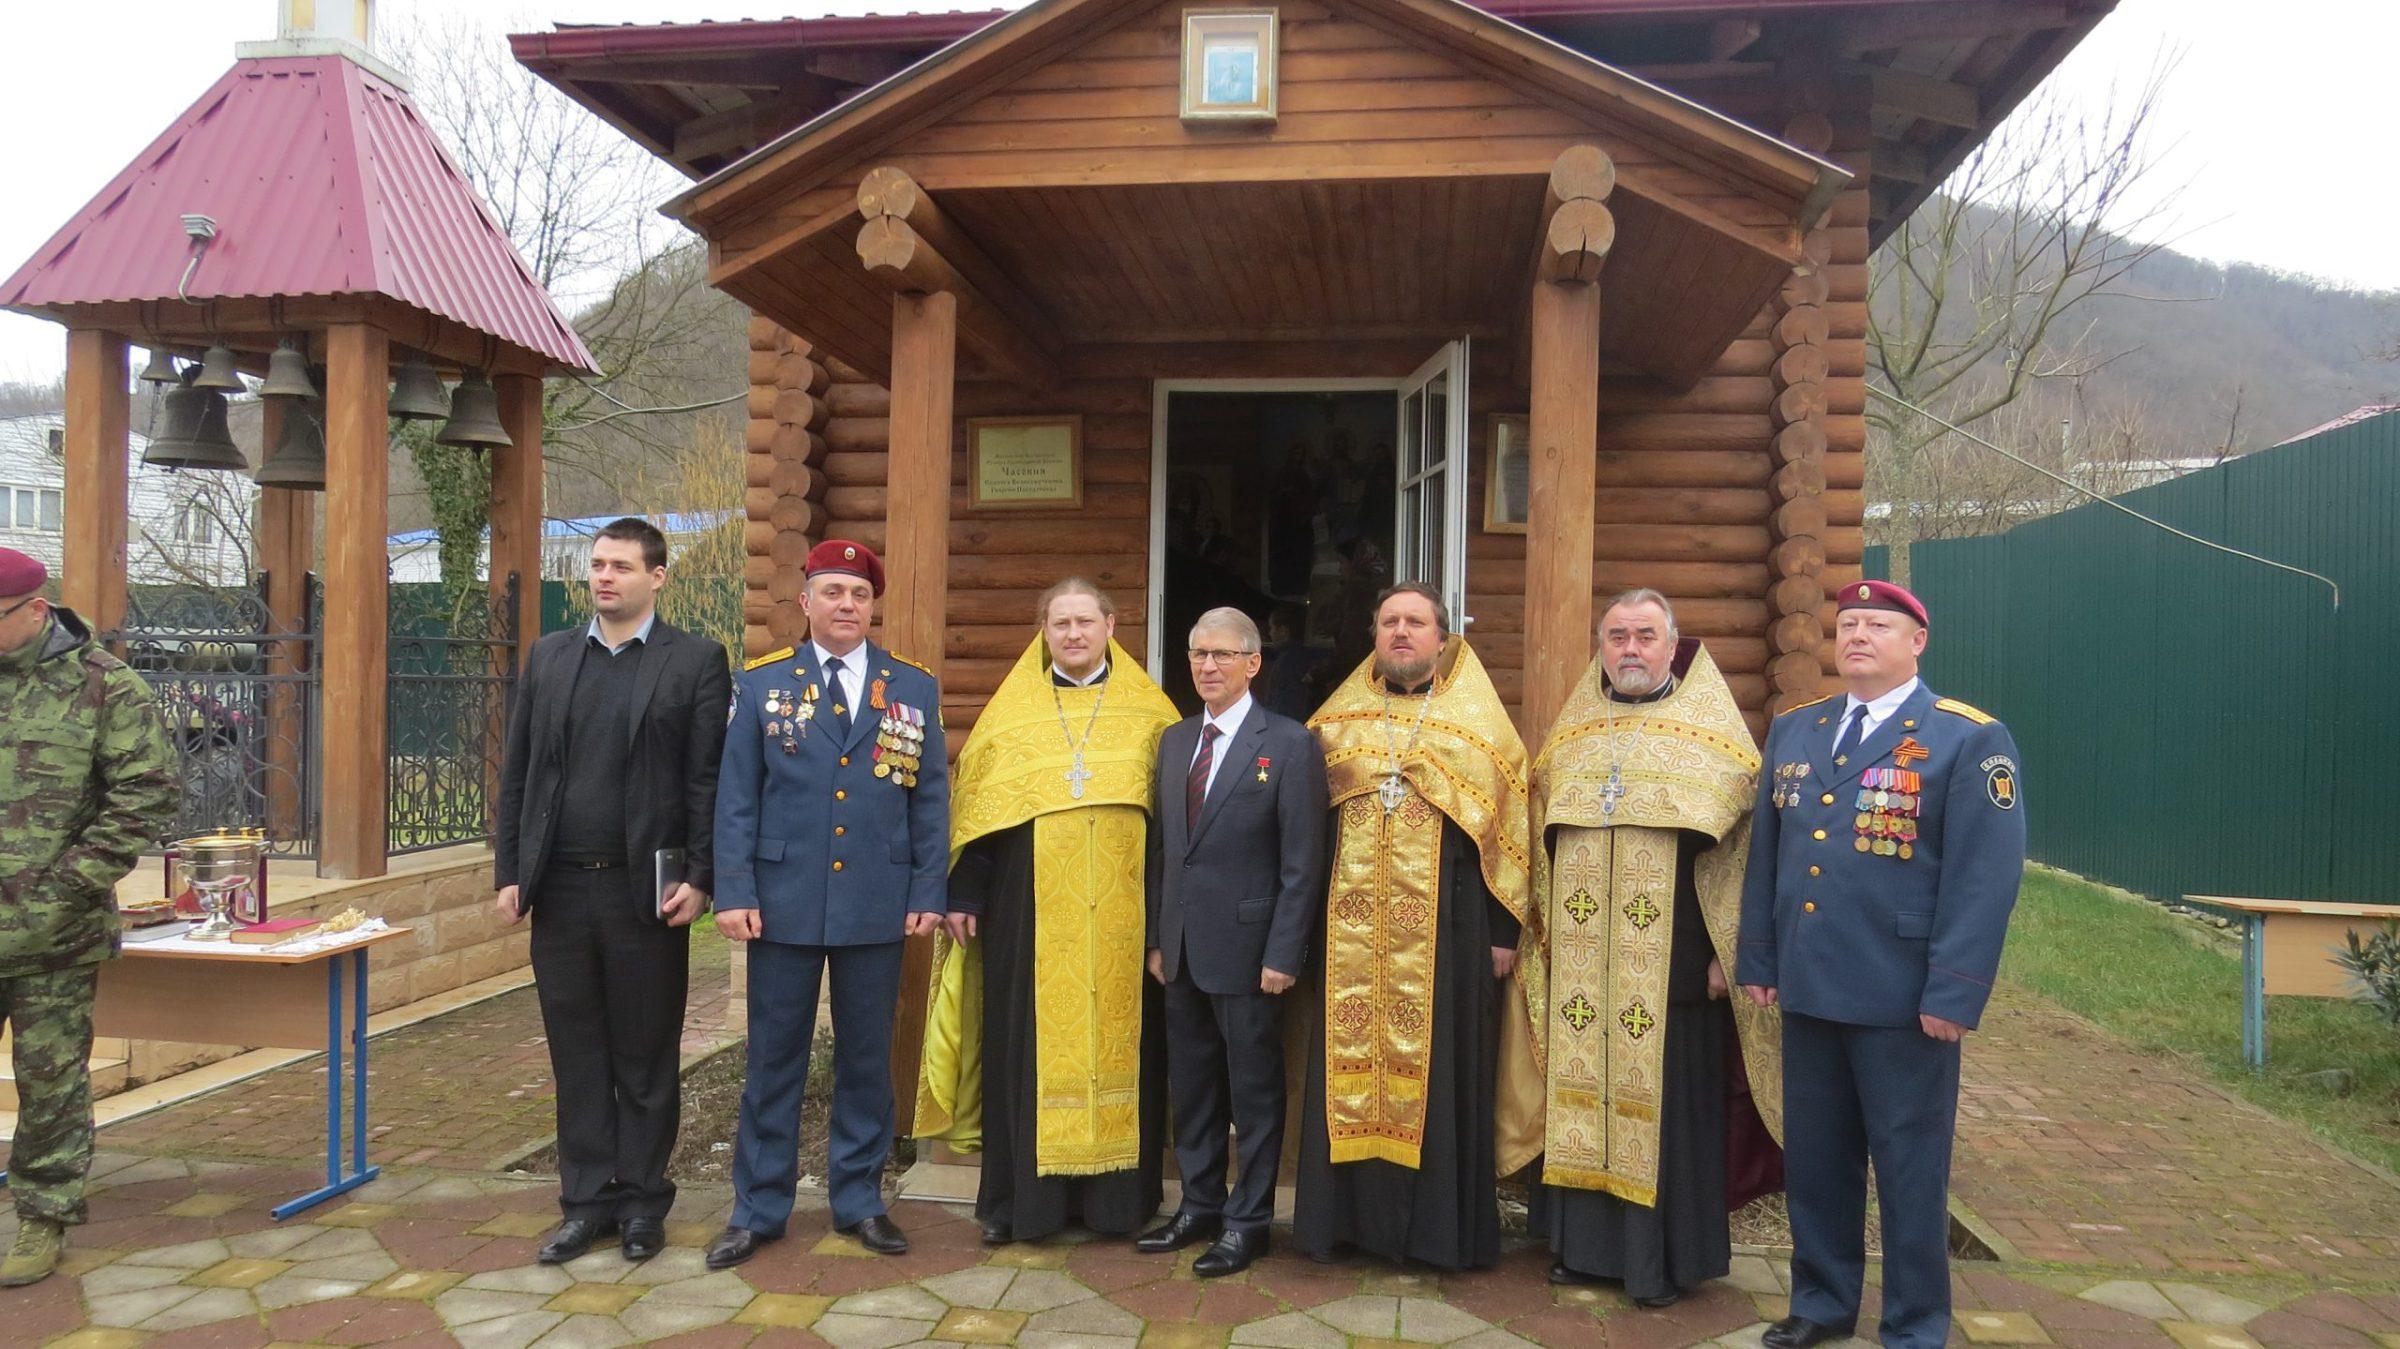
(344, 28)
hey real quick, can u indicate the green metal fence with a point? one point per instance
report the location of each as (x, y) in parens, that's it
(2192, 722)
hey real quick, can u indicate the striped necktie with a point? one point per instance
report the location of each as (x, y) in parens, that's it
(1195, 787)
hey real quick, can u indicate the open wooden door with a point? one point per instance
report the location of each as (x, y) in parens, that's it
(1432, 496)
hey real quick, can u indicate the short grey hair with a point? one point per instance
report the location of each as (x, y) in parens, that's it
(1421, 589)
(1227, 619)
(1643, 595)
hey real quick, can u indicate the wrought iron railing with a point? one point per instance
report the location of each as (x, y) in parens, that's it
(238, 693)
(452, 671)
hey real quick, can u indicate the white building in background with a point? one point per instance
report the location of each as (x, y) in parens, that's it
(566, 545)
(183, 525)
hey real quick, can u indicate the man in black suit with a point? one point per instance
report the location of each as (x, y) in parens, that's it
(612, 758)
(1237, 872)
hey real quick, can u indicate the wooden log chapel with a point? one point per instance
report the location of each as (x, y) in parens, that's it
(1265, 304)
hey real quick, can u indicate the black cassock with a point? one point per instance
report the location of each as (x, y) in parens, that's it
(1445, 1212)
(1684, 1241)
(994, 878)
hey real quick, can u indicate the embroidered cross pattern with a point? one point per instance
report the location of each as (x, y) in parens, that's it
(1581, 906)
(1579, 1012)
(1636, 1019)
(1641, 911)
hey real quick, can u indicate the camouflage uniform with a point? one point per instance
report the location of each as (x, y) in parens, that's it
(87, 780)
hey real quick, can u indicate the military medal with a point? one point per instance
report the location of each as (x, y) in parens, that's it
(1262, 769)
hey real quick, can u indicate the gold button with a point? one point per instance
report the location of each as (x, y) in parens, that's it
(839, 830)
(1820, 834)
(1826, 799)
(846, 764)
(844, 796)
(1809, 907)
(1813, 871)
(838, 866)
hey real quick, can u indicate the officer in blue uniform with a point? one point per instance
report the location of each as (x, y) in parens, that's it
(1888, 843)
(833, 840)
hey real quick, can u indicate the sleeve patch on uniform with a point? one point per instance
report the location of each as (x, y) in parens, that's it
(2000, 781)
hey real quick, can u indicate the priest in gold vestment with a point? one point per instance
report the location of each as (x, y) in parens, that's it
(1044, 1046)
(1661, 1093)
(1406, 1097)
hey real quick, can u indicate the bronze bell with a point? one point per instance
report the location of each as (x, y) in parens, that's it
(474, 415)
(217, 371)
(287, 375)
(298, 461)
(161, 369)
(196, 435)
(417, 394)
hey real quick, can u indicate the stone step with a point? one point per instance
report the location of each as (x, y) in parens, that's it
(108, 1078)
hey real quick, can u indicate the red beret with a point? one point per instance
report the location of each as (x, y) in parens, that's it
(19, 574)
(855, 559)
(1882, 595)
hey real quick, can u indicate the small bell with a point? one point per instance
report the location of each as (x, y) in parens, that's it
(474, 415)
(287, 375)
(196, 435)
(298, 462)
(417, 394)
(217, 371)
(161, 369)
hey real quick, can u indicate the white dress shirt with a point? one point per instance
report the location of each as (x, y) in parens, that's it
(640, 634)
(1228, 724)
(1878, 712)
(850, 670)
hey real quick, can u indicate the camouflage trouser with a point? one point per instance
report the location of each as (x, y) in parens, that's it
(50, 1025)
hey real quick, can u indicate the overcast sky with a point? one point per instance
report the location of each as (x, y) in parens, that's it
(2266, 119)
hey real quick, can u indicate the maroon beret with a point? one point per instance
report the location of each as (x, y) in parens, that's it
(855, 559)
(19, 574)
(1882, 595)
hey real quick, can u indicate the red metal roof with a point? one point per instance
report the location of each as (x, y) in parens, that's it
(323, 180)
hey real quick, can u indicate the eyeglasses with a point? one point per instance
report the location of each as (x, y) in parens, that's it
(1208, 656)
(4, 613)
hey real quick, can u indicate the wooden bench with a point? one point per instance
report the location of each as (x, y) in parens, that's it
(2287, 950)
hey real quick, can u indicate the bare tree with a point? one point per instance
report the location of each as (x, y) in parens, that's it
(1976, 299)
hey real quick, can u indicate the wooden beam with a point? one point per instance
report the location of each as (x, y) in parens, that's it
(1927, 98)
(517, 504)
(1729, 38)
(1564, 433)
(1577, 232)
(1902, 162)
(355, 788)
(925, 332)
(1957, 22)
(99, 404)
(898, 256)
(1575, 242)
(740, 130)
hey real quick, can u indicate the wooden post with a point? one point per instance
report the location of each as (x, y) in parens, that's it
(517, 504)
(356, 784)
(99, 404)
(917, 563)
(287, 528)
(1564, 430)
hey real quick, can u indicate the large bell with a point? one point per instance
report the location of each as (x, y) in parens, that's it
(161, 369)
(287, 375)
(474, 415)
(217, 371)
(298, 461)
(196, 435)
(417, 394)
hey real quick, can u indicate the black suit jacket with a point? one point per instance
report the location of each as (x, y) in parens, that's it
(1242, 890)
(675, 734)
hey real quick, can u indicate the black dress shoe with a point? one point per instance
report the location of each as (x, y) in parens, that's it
(1232, 1254)
(643, 1238)
(880, 1235)
(1798, 1332)
(997, 1233)
(733, 1246)
(573, 1238)
(1568, 1278)
(1184, 1229)
(1658, 1302)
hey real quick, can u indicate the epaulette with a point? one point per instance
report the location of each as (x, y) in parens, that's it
(912, 664)
(1956, 708)
(769, 659)
(1798, 707)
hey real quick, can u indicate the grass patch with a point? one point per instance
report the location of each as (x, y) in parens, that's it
(2169, 985)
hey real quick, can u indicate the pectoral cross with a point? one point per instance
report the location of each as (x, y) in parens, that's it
(1611, 792)
(1393, 791)
(1077, 776)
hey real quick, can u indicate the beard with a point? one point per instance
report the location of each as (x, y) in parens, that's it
(1406, 673)
(1633, 680)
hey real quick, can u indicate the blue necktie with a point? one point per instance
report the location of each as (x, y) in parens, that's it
(1851, 734)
